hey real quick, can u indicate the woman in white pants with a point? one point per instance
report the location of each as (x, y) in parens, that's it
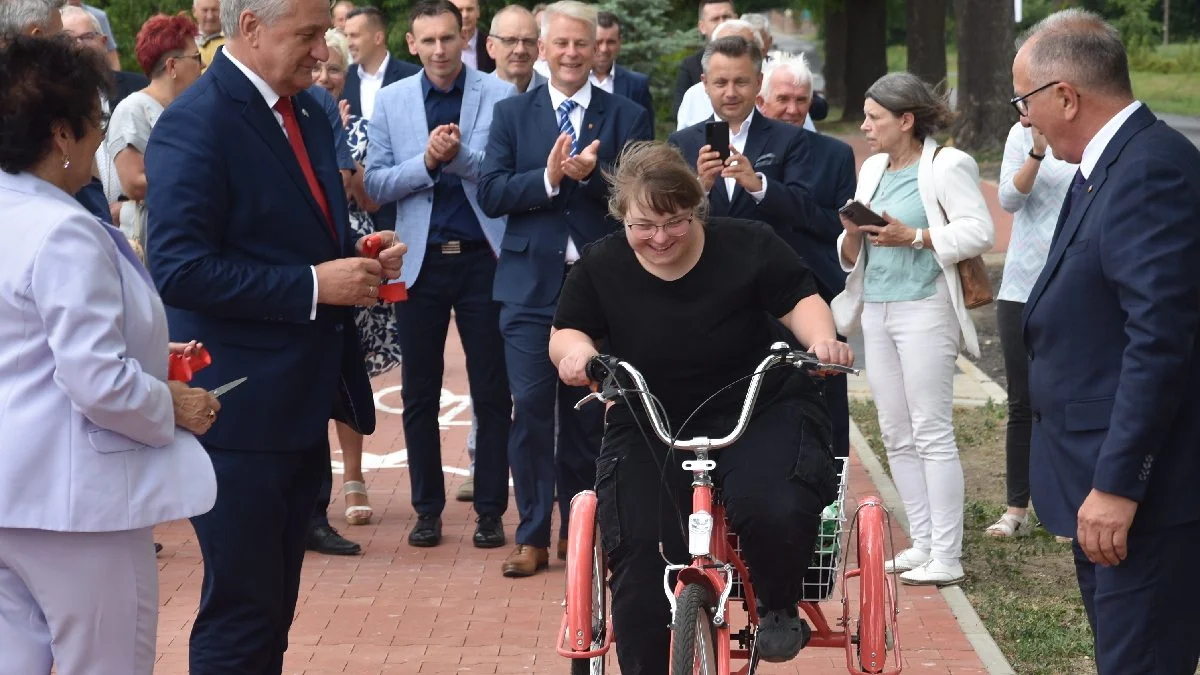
(904, 292)
(95, 446)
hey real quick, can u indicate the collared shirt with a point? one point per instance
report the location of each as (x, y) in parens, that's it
(1095, 147)
(452, 218)
(607, 83)
(369, 85)
(738, 141)
(584, 98)
(470, 55)
(271, 99)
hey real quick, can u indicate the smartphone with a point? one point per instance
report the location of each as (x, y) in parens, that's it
(861, 215)
(716, 134)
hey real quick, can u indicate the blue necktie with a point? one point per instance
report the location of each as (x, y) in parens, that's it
(564, 123)
(1072, 196)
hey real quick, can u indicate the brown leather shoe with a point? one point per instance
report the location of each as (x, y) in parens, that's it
(562, 549)
(525, 561)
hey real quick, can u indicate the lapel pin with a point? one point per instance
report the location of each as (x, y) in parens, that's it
(304, 111)
(1089, 188)
(590, 125)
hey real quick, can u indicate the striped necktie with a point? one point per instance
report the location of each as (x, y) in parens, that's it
(564, 123)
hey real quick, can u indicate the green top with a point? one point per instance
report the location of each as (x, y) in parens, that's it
(900, 273)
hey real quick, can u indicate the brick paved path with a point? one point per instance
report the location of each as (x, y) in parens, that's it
(398, 610)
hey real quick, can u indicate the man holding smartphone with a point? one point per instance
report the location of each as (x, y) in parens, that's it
(752, 167)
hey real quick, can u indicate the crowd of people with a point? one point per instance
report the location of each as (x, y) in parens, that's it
(274, 172)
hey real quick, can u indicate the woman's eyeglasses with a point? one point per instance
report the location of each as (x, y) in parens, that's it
(675, 227)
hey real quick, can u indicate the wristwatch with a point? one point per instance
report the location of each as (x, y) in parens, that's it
(1036, 156)
(918, 241)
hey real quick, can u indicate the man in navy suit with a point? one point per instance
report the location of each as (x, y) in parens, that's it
(1111, 331)
(250, 247)
(366, 33)
(786, 96)
(611, 77)
(543, 168)
(764, 177)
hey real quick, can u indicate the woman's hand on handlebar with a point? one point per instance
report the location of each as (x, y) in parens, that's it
(833, 351)
(572, 369)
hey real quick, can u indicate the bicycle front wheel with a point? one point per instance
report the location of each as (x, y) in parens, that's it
(694, 639)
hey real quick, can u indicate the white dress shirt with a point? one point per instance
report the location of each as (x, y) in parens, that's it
(369, 86)
(696, 107)
(607, 83)
(583, 98)
(272, 98)
(1095, 147)
(470, 53)
(738, 141)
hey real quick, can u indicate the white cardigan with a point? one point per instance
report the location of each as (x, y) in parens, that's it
(954, 182)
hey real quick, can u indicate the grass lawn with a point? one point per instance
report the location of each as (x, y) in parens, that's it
(1175, 93)
(1023, 589)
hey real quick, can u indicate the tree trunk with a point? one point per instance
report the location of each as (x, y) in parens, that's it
(835, 52)
(927, 40)
(1166, 22)
(985, 53)
(866, 52)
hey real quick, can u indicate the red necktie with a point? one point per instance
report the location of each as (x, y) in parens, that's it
(284, 107)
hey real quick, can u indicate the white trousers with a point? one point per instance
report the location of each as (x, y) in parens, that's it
(85, 602)
(910, 349)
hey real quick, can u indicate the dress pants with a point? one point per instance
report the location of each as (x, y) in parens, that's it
(1020, 415)
(552, 445)
(774, 481)
(461, 283)
(56, 586)
(911, 348)
(1143, 612)
(253, 547)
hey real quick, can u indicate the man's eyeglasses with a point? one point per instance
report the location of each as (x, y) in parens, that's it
(675, 227)
(1020, 102)
(509, 41)
(89, 36)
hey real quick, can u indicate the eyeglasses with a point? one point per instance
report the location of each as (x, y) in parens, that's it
(509, 41)
(1021, 105)
(88, 36)
(675, 227)
(197, 57)
(330, 70)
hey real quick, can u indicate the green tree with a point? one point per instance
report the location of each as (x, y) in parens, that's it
(651, 43)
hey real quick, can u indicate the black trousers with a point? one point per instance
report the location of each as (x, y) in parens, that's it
(774, 482)
(253, 546)
(1143, 612)
(1020, 416)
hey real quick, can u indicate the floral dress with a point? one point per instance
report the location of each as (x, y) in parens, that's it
(376, 324)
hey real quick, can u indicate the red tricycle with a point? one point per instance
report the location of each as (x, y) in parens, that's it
(703, 639)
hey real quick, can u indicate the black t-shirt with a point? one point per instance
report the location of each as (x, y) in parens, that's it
(692, 336)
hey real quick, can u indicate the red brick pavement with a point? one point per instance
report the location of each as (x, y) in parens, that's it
(398, 610)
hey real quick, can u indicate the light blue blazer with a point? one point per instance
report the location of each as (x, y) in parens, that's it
(395, 170)
(88, 441)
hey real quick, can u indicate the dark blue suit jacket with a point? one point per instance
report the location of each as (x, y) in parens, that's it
(396, 70)
(635, 87)
(524, 129)
(233, 230)
(780, 153)
(1111, 331)
(831, 181)
(341, 145)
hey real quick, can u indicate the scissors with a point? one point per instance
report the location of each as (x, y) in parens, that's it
(226, 388)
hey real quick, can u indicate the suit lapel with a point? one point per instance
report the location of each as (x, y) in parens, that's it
(1140, 119)
(593, 118)
(756, 142)
(472, 92)
(309, 116)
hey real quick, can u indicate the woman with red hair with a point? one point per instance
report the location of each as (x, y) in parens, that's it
(166, 51)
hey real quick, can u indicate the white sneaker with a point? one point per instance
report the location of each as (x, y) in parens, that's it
(934, 573)
(909, 558)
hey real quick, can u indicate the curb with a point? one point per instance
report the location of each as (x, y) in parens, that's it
(989, 386)
(968, 620)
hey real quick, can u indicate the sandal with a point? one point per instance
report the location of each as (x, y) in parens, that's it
(357, 515)
(1009, 525)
